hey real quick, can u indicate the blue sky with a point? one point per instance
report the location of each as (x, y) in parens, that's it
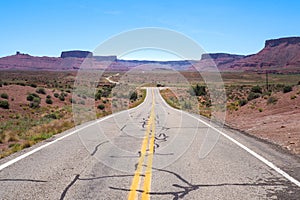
(47, 27)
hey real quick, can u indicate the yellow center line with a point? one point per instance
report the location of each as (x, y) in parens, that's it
(148, 174)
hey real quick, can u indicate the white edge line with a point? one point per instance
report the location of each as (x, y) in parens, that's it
(8, 163)
(256, 155)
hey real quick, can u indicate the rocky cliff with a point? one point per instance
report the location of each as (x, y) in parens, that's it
(279, 55)
(76, 54)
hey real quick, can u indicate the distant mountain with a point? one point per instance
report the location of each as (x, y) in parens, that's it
(72, 60)
(221, 58)
(27, 62)
(279, 55)
(282, 55)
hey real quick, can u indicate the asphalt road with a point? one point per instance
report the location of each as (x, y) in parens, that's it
(150, 152)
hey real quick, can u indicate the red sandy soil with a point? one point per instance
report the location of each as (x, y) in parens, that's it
(277, 123)
(18, 103)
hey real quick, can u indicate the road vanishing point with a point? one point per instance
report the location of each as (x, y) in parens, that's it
(152, 151)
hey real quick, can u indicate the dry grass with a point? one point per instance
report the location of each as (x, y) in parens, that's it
(170, 98)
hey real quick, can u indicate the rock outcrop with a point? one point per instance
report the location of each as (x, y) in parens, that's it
(76, 54)
(286, 41)
(279, 55)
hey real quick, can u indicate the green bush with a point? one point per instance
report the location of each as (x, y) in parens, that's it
(33, 85)
(61, 97)
(63, 94)
(199, 90)
(252, 96)
(106, 91)
(48, 97)
(287, 89)
(256, 89)
(133, 96)
(31, 96)
(49, 101)
(21, 83)
(101, 107)
(98, 95)
(35, 103)
(4, 96)
(4, 104)
(56, 95)
(41, 91)
(243, 102)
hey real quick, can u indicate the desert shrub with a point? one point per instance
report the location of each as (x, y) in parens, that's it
(33, 85)
(61, 97)
(287, 89)
(0, 84)
(4, 96)
(106, 91)
(31, 96)
(63, 94)
(297, 84)
(293, 97)
(260, 109)
(272, 100)
(252, 96)
(35, 103)
(101, 107)
(49, 101)
(5, 83)
(243, 102)
(48, 97)
(68, 91)
(98, 95)
(104, 101)
(21, 83)
(133, 96)
(256, 89)
(56, 95)
(199, 90)
(4, 104)
(34, 99)
(41, 91)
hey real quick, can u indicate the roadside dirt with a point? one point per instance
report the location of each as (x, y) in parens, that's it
(277, 123)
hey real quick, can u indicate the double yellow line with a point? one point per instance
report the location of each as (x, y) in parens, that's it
(150, 131)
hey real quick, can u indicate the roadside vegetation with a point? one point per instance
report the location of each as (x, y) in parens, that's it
(242, 90)
(34, 106)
